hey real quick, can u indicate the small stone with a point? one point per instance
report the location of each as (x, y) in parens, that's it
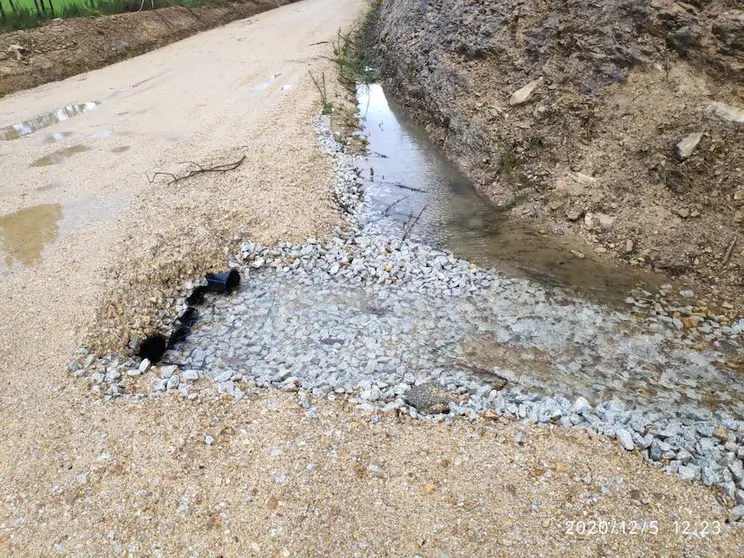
(684, 456)
(430, 398)
(739, 497)
(629, 246)
(144, 365)
(574, 213)
(689, 472)
(208, 440)
(684, 213)
(173, 382)
(598, 221)
(581, 406)
(654, 452)
(737, 513)
(491, 414)
(190, 375)
(728, 488)
(18, 50)
(687, 294)
(429, 488)
(710, 475)
(625, 439)
(737, 470)
(687, 145)
(74, 366)
(168, 371)
(578, 254)
(523, 95)
(721, 434)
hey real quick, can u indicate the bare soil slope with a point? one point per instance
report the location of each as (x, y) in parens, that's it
(569, 114)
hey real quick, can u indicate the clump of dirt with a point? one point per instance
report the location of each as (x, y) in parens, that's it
(64, 48)
(620, 121)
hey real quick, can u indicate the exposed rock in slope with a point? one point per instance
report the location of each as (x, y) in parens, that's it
(528, 95)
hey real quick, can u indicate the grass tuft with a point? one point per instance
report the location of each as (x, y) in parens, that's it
(352, 52)
(321, 87)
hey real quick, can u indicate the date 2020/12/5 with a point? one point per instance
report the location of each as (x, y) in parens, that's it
(641, 527)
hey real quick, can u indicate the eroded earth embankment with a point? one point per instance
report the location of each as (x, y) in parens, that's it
(621, 122)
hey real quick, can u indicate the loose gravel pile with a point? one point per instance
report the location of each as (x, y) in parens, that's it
(398, 326)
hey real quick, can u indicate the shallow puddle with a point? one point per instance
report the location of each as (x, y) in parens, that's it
(265, 83)
(25, 233)
(60, 115)
(57, 136)
(412, 185)
(60, 156)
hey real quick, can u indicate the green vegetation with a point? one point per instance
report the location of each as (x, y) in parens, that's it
(352, 52)
(24, 14)
(321, 87)
(672, 177)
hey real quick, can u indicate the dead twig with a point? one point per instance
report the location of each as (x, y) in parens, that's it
(319, 43)
(386, 213)
(413, 224)
(404, 187)
(730, 249)
(199, 170)
(159, 173)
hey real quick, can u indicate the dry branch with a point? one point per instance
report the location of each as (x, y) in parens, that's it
(199, 170)
(409, 228)
(404, 187)
(386, 213)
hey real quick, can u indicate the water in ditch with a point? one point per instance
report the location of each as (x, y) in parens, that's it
(409, 180)
(312, 318)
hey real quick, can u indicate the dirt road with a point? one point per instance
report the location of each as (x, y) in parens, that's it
(87, 239)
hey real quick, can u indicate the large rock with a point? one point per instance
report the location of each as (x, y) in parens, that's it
(524, 94)
(430, 398)
(687, 145)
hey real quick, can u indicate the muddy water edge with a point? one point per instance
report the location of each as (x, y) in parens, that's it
(412, 188)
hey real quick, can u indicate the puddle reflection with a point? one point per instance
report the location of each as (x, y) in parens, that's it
(30, 126)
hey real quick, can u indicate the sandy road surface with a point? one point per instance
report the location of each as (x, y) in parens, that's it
(83, 477)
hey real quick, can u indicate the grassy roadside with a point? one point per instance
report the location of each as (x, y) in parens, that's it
(27, 14)
(353, 51)
(352, 54)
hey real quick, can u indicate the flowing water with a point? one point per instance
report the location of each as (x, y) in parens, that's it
(410, 181)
